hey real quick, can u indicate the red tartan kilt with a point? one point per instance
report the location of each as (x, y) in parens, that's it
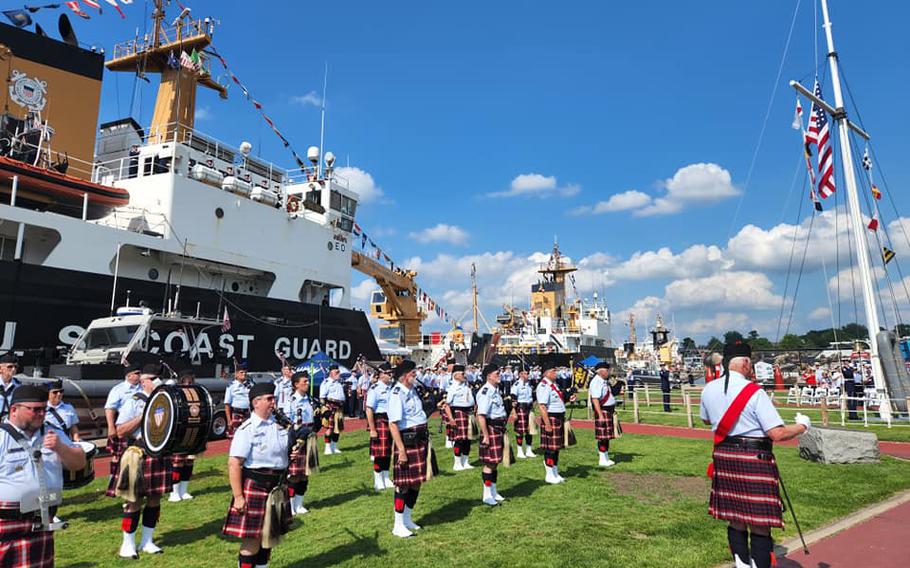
(381, 445)
(461, 428)
(20, 547)
(238, 415)
(156, 476)
(116, 446)
(554, 439)
(522, 419)
(491, 454)
(414, 471)
(745, 487)
(249, 523)
(603, 429)
(297, 466)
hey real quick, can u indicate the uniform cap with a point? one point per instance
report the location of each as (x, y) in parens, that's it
(489, 368)
(28, 393)
(153, 369)
(737, 349)
(55, 386)
(458, 368)
(132, 368)
(261, 389)
(404, 368)
(9, 357)
(384, 368)
(601, 365)
(299, 375)
(242, 366)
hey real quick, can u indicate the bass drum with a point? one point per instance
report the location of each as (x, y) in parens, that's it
(177, 420)
(75, 479)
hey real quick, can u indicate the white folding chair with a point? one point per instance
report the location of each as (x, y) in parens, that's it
(819, 395)
(793, 395)
(807, 396)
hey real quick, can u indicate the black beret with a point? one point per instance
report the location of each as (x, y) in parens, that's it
(602, 365)
(261, 389)
(488, 368)
(384, 368)
(547, 362)
(299, 375)
(9, 357)
(333, 367)
(28, 393)
(55, 385)
(404, 368)
(242, 366)
(152, 369)
(132, 368)
(737, 349)
(458, 368)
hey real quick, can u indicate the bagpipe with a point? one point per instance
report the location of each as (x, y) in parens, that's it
(300, 438)
(430, 396)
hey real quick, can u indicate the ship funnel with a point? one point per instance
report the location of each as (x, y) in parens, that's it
(312, 154)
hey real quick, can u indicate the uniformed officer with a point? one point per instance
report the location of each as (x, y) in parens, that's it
(237, 398)
(522, 400)
(257, 465)
(8, 366)
(116, 398)
(443, 380)
(665, 386)
(155, 471)
(491, 419)
(28, 451)
(61, 415)
(744, 486)
(408, 426)
(182, 464)
(459, 405)
(284, 388)
(604, 405)
(552, 406)
(300, 411)
(378, 424)
(331, 392)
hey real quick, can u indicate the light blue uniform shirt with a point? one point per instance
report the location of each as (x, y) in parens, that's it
(133, 407)
(237, 395)
(378, 397)
(6, 395)
(459, 395)
(443, 381)
(600, 388)
(757, 417)
(300, 402)
(406, 407)
(332, 390)
(261, 444)
(19, 475)
(120, 393)
(66, 412)
(284, 389)
(489, 402)
(548, 396)
(523, 392)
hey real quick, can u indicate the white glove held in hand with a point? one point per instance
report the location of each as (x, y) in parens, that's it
(803, 419)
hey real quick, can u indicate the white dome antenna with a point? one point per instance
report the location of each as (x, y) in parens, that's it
(312, 154)
(329, 159)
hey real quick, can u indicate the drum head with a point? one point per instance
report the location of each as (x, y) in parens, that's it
(159, 421)
(89, 448)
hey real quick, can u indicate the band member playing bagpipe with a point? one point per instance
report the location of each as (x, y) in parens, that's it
(32, 458)
(331, 393)
(237, 398)
(604, 405)
(459, 405)
(141, 477)
(552, 406)
(182, 464)
(408, 426)
(491, 418)
(443, 380)
(744, 475)
(300, 411)
(284, 387)
(378, 423)
(522, 394)
(116, 398)
(260, 511)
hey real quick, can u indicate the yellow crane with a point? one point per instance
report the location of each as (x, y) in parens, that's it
(396, 303)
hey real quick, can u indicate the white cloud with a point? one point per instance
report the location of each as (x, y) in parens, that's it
(732, 289)
(717, 324)
(632, 199)
(697, 260)
(361, 292)
(203, 113)
(820, 314)
(693, 184)
(310, 99)
(361, 182)
(441, 233)
(536, 185)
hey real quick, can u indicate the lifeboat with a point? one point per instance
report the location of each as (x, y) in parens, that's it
(50, 190)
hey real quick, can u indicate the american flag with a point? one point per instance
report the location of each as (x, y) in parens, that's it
(226, 322)
(818, 134)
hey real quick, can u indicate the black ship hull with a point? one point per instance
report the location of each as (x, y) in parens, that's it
(43, 310)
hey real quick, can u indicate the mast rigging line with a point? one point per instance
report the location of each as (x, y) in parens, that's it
(783, 303)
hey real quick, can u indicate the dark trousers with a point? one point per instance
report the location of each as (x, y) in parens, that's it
(666, 401)
(850, 389)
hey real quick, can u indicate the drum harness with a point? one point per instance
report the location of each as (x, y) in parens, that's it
(44, 496)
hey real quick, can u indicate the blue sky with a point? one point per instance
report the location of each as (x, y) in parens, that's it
(508, 122)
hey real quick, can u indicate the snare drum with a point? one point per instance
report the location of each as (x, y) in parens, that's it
(177, 420)
(81, 478)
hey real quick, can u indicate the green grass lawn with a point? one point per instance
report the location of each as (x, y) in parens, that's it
(648, 510)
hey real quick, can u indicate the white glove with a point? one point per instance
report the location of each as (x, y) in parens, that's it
(801, 418)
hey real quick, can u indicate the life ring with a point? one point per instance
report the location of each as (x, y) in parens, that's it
(293, 205)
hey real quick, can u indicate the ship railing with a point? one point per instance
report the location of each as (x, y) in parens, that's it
(311, 173)
(171, 34)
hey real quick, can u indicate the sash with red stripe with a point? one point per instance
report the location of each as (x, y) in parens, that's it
(731, 417)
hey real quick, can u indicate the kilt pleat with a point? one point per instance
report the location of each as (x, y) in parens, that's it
(603, 429)
(522, 418)
(554, 440)
(157, 476)
(414, 471)
(116, 446)
(461, 429)
(491, 453)
(745, 487)
(22, 547)
(249, 523)
(381, 445)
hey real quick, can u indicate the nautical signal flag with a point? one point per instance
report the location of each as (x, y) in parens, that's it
(74, 6)
(876, 193)
(887, 254)
(873, 224)
(867, 161)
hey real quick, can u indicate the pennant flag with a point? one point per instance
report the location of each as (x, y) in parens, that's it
(116, 7)
(818, 133)
(887, 254)
(172, 61)
(34, 9)
(867, 161)
(74, 6)
(873, 224)
(93, 4)
(363, 241)
(798, 116)
(19, 18)
(197, 61)
(876, 193)
(127, 1)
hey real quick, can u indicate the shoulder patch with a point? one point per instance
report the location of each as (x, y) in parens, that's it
(374, 385)
(244, 425)
(396, 390)
(483, 390)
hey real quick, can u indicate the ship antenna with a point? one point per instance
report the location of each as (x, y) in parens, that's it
(325, 82)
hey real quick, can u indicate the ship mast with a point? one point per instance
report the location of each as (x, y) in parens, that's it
(839, 114)
(474, 293)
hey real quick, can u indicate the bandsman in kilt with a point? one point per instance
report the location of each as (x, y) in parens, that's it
(604, 404)
(300, 409)
(331, 393)
(408, 426)
(155, 472)
(24, 542)
(237, 399)
(745, 480)
(257, 468)
(443, 380)
(182, 464)
(459, 406)
(552, 406)
(522, 394)
(378, 424)
(116, 397)
(284, 387)
(491, 419)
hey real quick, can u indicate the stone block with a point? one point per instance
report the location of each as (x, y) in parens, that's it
(831, 445)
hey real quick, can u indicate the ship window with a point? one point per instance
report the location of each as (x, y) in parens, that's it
(107, 337)
(378, 297)
(153, 274)
(345, 224)
(235, 286)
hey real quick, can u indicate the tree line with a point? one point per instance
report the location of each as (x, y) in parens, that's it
(813, 339)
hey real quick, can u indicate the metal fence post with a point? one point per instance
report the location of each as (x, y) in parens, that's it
(843, 409)
(636, 416)
(687, 398)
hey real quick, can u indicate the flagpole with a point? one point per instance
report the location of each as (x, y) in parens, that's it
(856, 222)
(325, 82)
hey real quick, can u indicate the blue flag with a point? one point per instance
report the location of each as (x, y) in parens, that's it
(19, 18)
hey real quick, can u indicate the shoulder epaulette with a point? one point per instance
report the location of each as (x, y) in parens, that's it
(483, 390)
(396, 389)
(244, 425)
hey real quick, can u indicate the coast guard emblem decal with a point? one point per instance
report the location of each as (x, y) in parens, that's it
(26, 91)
